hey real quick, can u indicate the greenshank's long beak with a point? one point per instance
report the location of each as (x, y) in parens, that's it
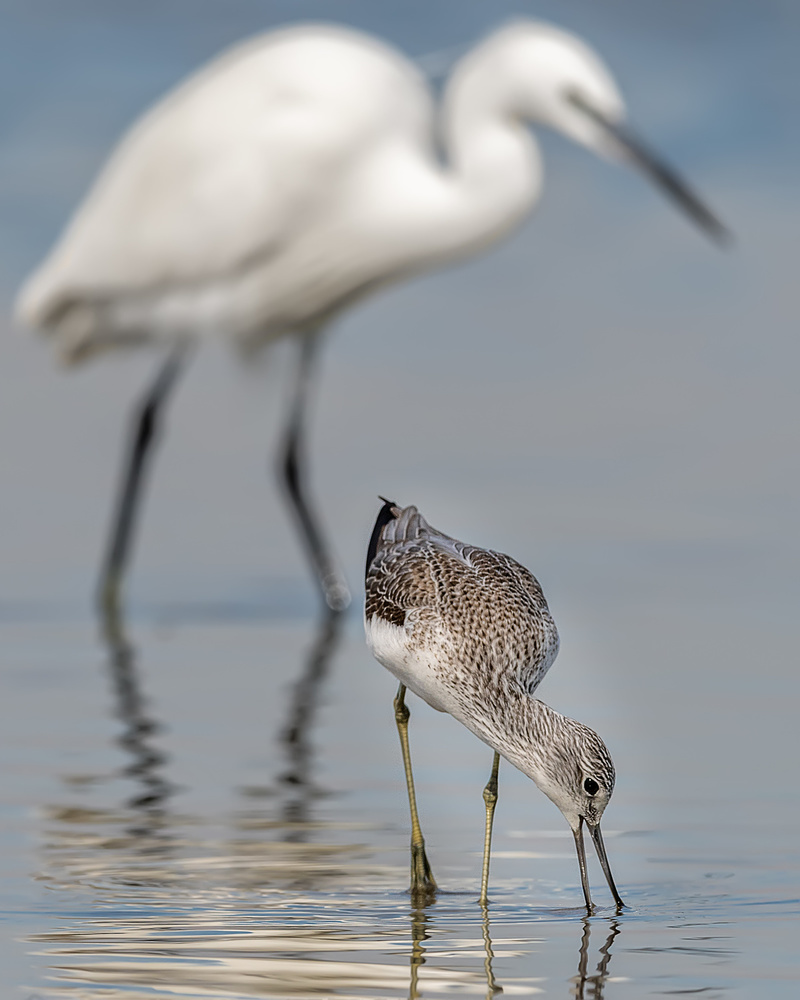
(660, 172)
(600, 847)
(579, 847)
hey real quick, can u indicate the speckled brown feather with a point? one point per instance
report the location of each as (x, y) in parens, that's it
(488, 609)
(468, 630)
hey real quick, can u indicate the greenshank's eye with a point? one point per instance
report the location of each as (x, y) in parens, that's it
(591, 786)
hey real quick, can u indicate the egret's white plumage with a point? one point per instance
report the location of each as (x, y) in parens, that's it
(304, 168)
(299, 170)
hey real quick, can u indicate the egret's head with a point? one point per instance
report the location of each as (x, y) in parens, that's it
(544, 67)
(576, 772)
(556, 80)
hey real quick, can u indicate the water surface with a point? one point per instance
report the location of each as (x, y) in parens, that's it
(187, 819)
(604, 397)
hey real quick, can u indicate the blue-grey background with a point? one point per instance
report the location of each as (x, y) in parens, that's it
(606, 396)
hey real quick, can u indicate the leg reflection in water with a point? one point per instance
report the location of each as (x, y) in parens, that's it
(439, 979)
(597, 981)
(146, 762)
(584, 986)
(419, 933)
(492, 989)
(301, 716)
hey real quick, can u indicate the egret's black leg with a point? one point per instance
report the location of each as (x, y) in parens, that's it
(293, 470)
(490, 798)
(143, 433)
(423, 884)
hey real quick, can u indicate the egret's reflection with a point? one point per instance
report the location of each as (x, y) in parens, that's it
(130, 843)
(146, 762)
(296, 738)
(596, 982)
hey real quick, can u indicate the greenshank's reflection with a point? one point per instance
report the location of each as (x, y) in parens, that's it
(492, 987)
(276, 948)
(597, 981)
(420, 932)
(221, 951)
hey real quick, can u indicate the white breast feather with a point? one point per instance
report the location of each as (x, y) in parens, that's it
(393, 646)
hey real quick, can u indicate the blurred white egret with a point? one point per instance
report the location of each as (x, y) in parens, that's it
(289, 177)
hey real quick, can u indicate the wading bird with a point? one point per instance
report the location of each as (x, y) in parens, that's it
(468, 630)
(292, 175)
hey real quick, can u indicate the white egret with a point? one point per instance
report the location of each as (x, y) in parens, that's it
(292, 175)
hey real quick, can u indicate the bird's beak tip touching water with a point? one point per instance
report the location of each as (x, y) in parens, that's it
(658, 170)
(597, 837)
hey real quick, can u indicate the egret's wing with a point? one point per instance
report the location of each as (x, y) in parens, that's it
(228, 169)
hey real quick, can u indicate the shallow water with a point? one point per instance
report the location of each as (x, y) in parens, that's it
(168, 832)
(603, 396)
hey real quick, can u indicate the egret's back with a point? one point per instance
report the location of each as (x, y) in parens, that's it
(231, 171)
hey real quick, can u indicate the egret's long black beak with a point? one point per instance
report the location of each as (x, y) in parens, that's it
(660, 172)
(600, 847)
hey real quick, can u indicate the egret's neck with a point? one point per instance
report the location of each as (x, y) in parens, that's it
(494, 163)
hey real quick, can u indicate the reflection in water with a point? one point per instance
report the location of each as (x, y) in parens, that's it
(139, 728)
(132, 845)
(296, 736)
(202, 913)
(419, 934)
(270, 951)
(419, 924)
(491, 986)
(596, 982)
(289, 815)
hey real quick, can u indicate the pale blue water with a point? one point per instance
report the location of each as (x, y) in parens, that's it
(163, 847)
(604, 397)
